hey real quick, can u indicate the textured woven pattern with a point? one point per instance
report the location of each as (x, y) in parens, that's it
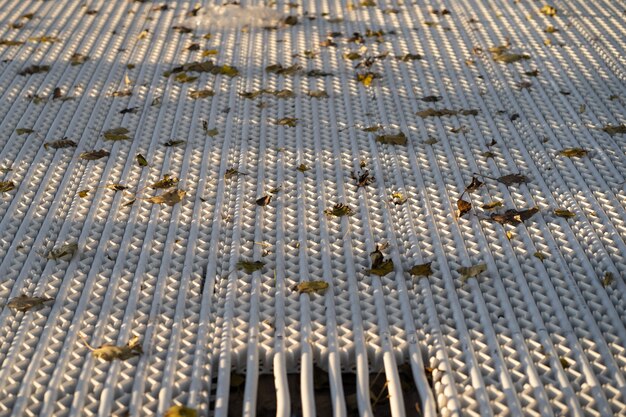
(368, 146)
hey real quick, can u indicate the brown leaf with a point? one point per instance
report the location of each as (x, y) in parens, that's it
(491, 205)
(514, 217)
(573, 152)
(34, 69)
(392, 139)
(173, 142)
(25, 303)
(201, 94)
(468, 272)
(118, 133)
(421, 269)
(169, 198)
(116, 187)
(78, 59)
(309, 287)
(287, 121)
(141, 160)
(512, 179)
(380, 265)
(431, 99)
(363, 179)
(250, 266)
(94, 155)
(60, 144)
(463, 206)
(509, 58)
(473, 186)
(339, 210)
(6, 186)
(615, 129)
(264, 201)
(166, 182)
(560, 212)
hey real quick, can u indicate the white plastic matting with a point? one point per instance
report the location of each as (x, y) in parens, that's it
(535, 323)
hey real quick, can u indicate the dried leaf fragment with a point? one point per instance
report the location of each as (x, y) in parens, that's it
(287, 121)
(491, 205)
(173, 142)
(510, 58)
(10, 42)
(380, 265)
(24, 131)
(184, 78)
(303, 168)
(463, 206)
(548, 10)
(118, 133)
(25, 303)
(110, 353)
(169, 198)
(264, 201)
(614, 129)
(339, 210)
(573, 152)
(607, 279)
(181, 411)
(250, 266)
(474, 185)
(196, 94)
(512, 179)
(94, 155)
(6, 186)
(392, 138)
(309, 287)
(78, 59)
(422, 269)
(560, 212)
(468, 272)
(60, 144)
(116, 187)
(514, 217)
(65, 251)
(83, 193)
(141, 160)
(34, 69)
(431, 99)
(166, 182)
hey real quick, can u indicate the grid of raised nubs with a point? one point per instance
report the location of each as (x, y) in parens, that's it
(538, 333)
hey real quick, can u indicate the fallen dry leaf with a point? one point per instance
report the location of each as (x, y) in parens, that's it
(573, 152)
(463, 206)
(169, 198)
(118, 133)
(250, 266)
(6, 186)
(422, 269)
(468, 272)
(380, 265)
(309, 287)
(65, 251)
(181, 411)
(25, 303)
(339, 210)
(392, 139)
(94, 155)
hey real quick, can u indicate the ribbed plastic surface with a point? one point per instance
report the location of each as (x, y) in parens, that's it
(536, 328)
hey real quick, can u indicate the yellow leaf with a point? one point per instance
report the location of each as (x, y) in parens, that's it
(181, 411)
(573, 152)
(365, 79)
(548, 11)
(209, 52)
(109, 352)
